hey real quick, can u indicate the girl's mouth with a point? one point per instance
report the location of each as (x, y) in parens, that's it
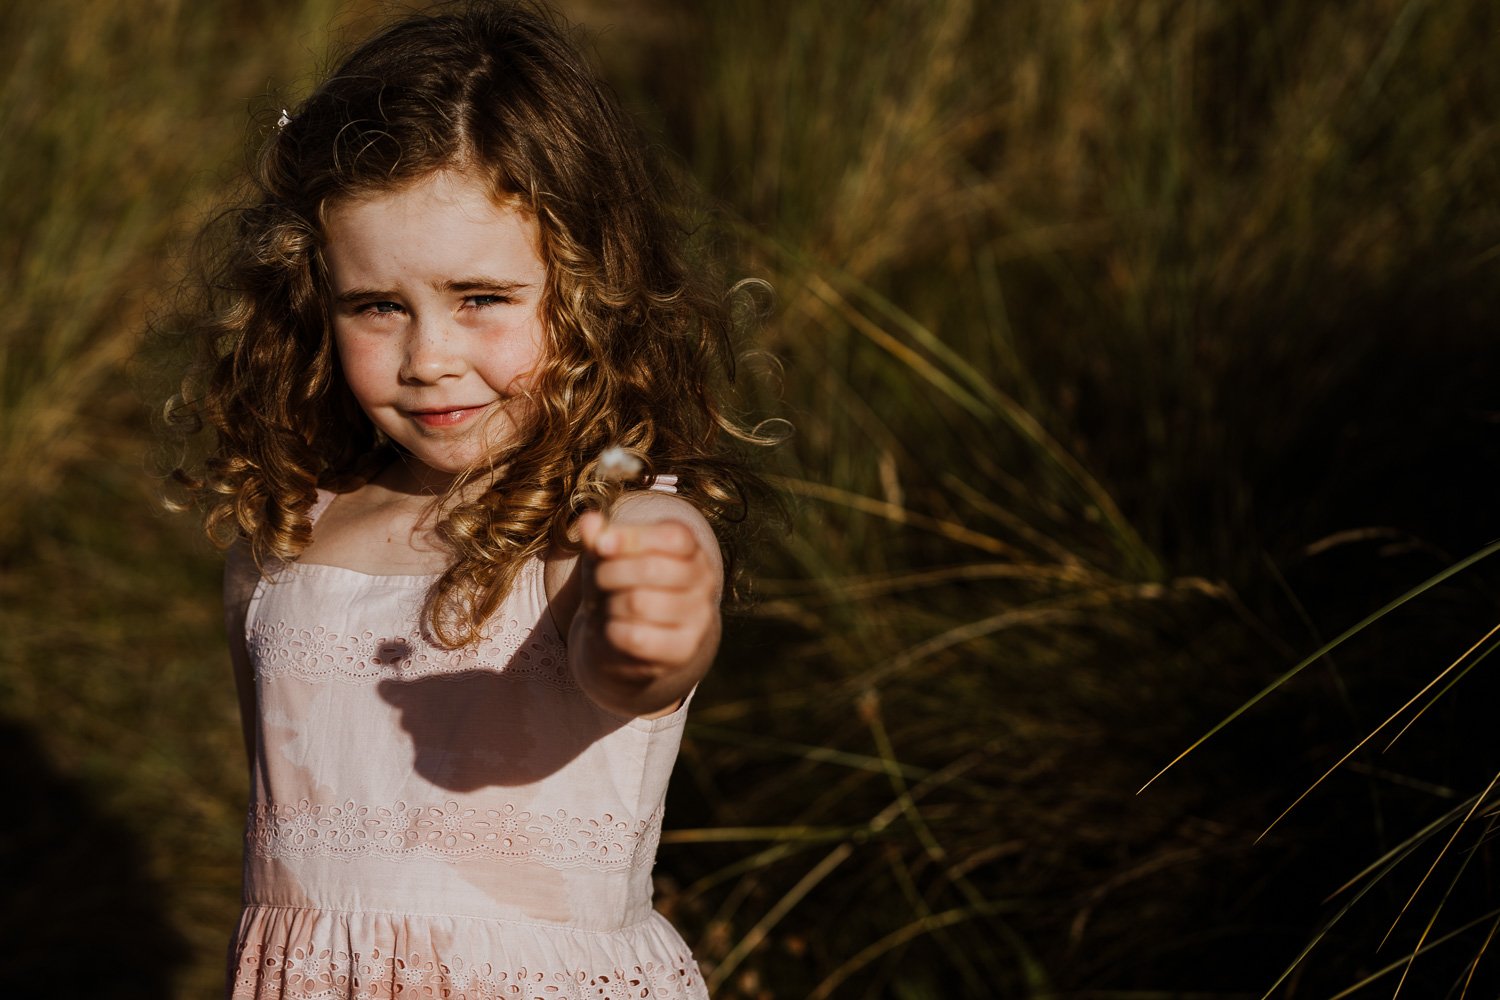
(448, 417)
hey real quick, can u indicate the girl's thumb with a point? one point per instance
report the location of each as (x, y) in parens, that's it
(590, 526)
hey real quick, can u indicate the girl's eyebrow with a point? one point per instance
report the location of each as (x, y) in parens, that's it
(481, 284)
(474, 284)
(363, 295)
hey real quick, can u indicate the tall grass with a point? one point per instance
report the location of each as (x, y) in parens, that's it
(1071, 295)
(121, 123)
(1093, 318)
(117, 130)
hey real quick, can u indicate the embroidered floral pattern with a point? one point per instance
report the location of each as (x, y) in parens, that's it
(279, 649)
(451, 832)
(297, 974)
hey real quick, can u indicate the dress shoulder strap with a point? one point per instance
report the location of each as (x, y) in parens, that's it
(325, 497)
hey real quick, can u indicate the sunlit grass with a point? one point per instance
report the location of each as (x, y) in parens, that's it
(122, 124)
(118, 139)
(1042, 266)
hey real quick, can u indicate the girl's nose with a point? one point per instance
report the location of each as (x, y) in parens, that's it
(433, 353)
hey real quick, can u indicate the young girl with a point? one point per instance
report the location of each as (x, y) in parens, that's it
(463, 684)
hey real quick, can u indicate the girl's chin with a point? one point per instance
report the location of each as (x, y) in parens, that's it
(433, 463)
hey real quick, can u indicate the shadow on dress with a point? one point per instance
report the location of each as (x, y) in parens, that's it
(482, 727)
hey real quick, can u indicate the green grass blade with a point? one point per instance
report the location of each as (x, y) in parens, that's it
(1400, 962)
(1406, 846)
(1374, 732)
(928, 924)
(1328, 647)
(1428, 874)
(1489, 939)
(1442, 691)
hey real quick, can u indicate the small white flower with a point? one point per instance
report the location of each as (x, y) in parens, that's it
(617, 464)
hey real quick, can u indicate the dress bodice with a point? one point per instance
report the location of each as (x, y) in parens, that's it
(393, 773)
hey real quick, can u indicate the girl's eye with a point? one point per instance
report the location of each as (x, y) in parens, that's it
(481, 301)
(380, 308)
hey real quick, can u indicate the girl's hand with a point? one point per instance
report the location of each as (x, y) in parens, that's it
(647, 627)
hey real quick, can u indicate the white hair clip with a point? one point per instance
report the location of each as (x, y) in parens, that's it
(284, 120)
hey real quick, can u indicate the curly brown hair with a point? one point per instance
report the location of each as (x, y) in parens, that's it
(638, 332)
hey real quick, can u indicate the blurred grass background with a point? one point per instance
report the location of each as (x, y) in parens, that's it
(1134, 349)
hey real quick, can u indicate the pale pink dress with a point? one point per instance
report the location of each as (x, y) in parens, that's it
(427, 823)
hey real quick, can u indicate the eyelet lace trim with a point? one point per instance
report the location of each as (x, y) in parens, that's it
(279, 649)
(451, 832)
(305, 974)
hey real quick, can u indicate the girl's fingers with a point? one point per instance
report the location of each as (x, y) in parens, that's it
(651, 643)
(590, 525)
(670, 538)
(651, 588)
(669, 609)
(663, 572)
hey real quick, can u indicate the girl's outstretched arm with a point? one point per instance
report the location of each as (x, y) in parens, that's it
(645, 622)
(240, 578)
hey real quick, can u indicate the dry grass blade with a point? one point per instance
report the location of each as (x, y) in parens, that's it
(854, 588)
(1060, 553)
(1324, 931)
(897, 515)
(1065, 610)
(805, 751)
(909, 357)
(990, 402)
(1324, 650)
(1376, 731)
(868, 707)
(1432, 868)
(757, 834)
(1404, 849)
(1474, 965)
(1033, 972)
(773, 916)
(789, 900)
(758, 861)
(1023, 422)
(1438, 694)
(1401, 962)
(927, 924)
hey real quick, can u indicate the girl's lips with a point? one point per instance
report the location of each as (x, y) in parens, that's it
(448, 417)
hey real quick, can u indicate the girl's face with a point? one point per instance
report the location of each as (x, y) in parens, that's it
(436, 302)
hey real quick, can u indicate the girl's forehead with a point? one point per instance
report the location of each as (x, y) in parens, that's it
(459, 183)
(443, 229)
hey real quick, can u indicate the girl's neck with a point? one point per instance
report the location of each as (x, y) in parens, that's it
(382, 527)
(406, 475)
